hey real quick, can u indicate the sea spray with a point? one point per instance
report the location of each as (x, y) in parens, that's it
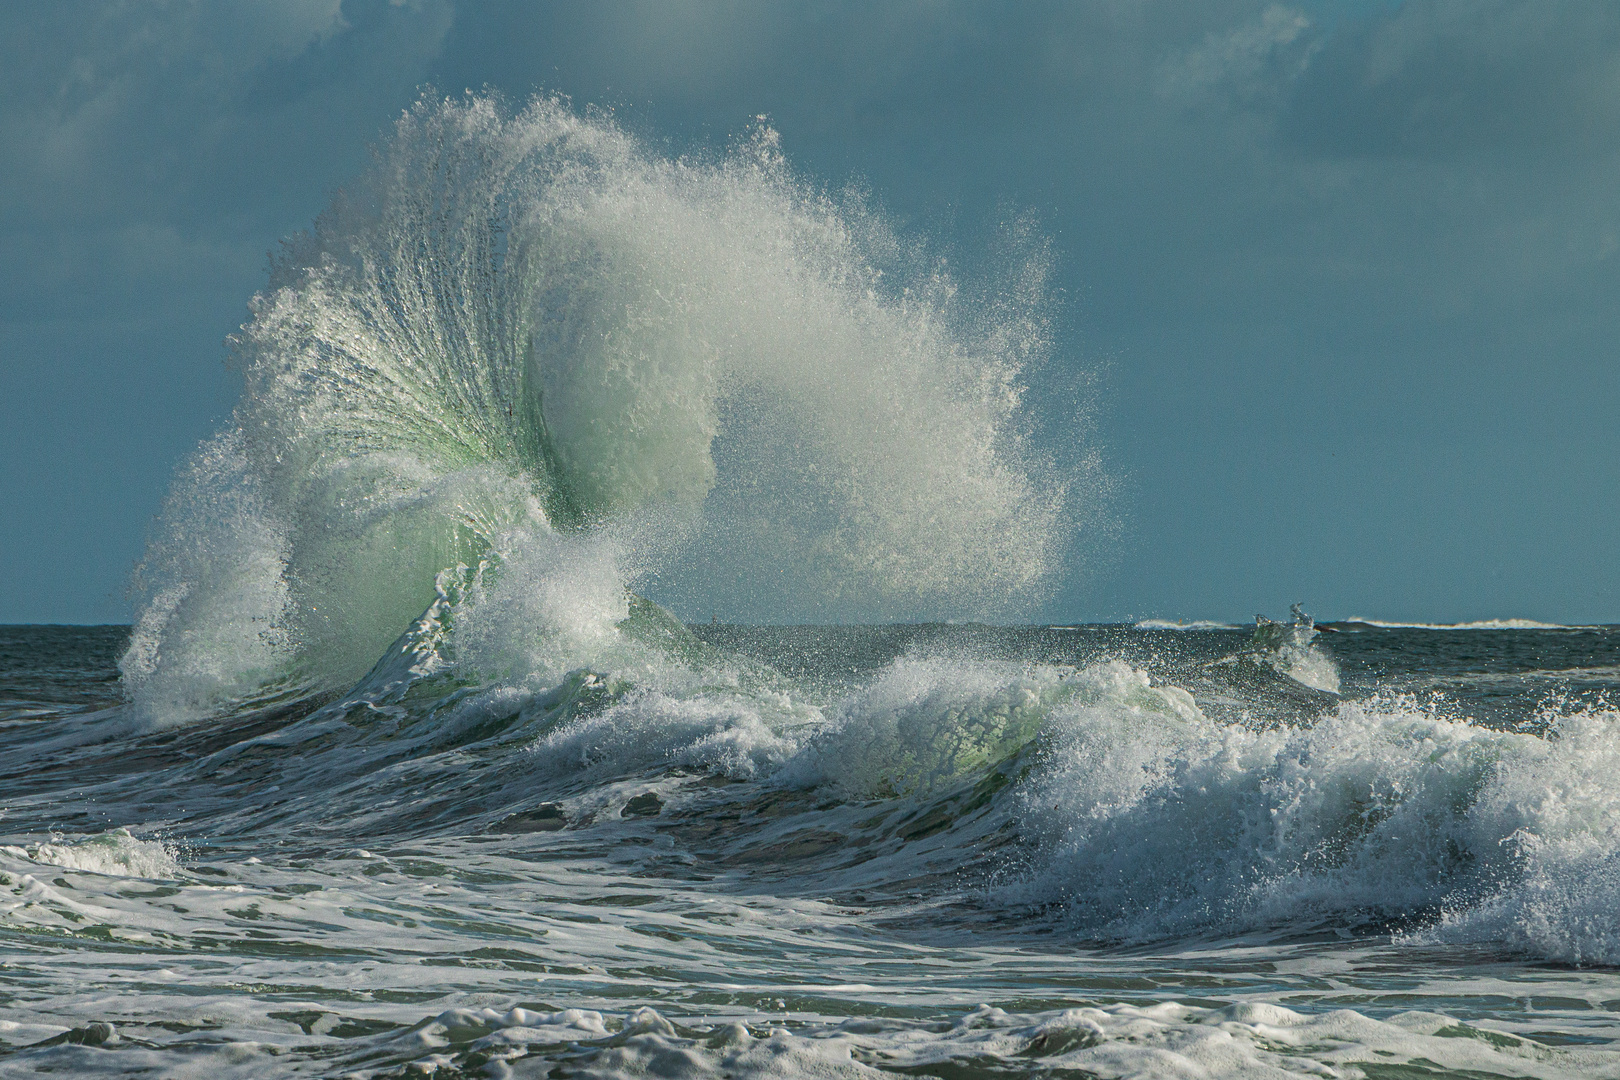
(214, 624)
(521, 323)
(469, 859)
(1382, 811)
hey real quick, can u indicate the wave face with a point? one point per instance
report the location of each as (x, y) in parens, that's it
(522, 333)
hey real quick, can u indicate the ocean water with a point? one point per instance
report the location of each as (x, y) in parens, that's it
(924, 849)
(406, 767)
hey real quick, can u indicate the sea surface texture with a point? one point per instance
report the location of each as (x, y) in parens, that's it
(954, 851)
(402, 771)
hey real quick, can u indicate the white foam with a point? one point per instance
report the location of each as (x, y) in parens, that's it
(429, 950)
(1290, 649)
(728, 734)
(1380, 809)
(213, 627)
(1311, 667)
(116, 852)
(1168, 1039)
(547, 605)
(1556, 816)
(926, 721)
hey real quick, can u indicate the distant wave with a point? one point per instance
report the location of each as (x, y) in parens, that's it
(1197, 624)
(1481, 624)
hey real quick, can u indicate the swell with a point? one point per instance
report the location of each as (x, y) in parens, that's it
(1097, 797)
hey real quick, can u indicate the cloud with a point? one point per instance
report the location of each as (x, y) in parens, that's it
(116, 108)
(1242, 62)
(152, 147)
(1464, 79)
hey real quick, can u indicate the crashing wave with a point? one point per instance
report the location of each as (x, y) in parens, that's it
(528, 345)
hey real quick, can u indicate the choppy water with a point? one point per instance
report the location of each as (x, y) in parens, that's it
(936, 850)
(400, 772)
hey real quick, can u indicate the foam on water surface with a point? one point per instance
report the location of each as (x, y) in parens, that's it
(483, 958)
(116, 852)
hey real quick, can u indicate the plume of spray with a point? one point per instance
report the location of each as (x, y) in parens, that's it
(521, 331)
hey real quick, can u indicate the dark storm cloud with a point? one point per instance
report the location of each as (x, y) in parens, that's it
(1349, 268)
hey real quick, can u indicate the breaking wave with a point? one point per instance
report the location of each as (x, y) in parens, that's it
(528, 346)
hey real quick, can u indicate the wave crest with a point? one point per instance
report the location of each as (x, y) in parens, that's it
(523, 323)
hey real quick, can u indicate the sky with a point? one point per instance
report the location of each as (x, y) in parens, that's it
(1338, 295)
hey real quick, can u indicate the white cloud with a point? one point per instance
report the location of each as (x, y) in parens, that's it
(1239, 62)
